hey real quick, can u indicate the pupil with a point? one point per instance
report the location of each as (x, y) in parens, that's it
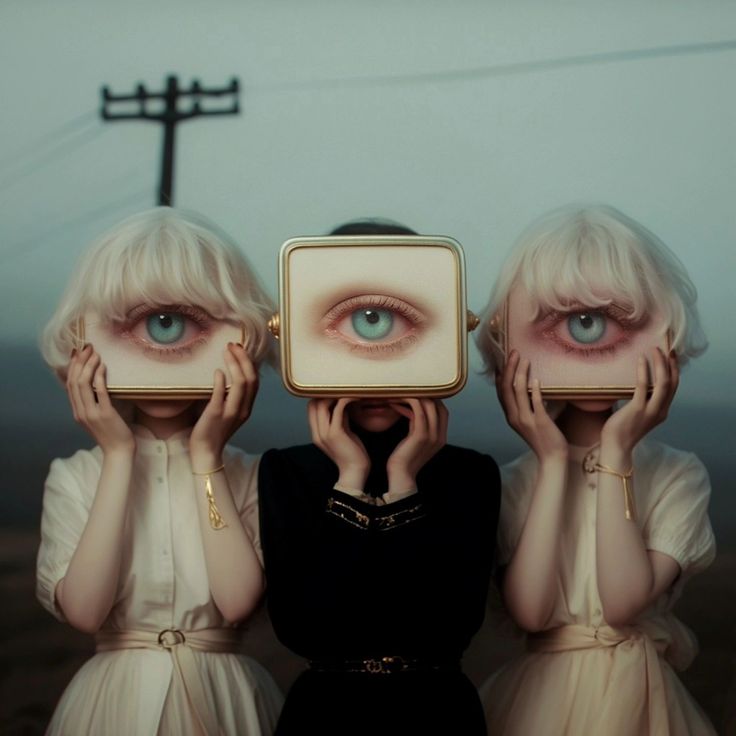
(371, 316)
(586, 321)
(165, 320)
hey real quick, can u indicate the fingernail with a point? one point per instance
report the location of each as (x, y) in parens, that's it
(74, 352)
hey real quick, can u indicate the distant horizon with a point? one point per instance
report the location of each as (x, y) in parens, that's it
(36, 426)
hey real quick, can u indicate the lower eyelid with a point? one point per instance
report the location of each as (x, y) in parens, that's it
(386, 347)
(571, 347)
(175, 350)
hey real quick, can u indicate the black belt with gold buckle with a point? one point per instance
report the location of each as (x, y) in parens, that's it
(388, 665)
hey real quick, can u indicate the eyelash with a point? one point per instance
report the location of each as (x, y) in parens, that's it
(549, 322)
(347, 307)
(136, 315)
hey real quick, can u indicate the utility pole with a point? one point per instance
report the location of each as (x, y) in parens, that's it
(169, 117)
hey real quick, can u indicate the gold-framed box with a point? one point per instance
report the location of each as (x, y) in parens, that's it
(132, 372)
(421, 278)
(601, 378)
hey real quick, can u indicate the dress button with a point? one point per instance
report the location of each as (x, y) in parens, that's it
(160, 479)
(159, 449)
(591, 486)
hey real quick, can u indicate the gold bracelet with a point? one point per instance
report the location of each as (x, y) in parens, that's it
(216, 520)
(629, 506)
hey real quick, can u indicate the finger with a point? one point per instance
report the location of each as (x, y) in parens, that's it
(246, 405)
(402, 409)
(444, 419)
(504, 386)
(234, 397)
(440, 427)
(314, 423)
(214, 406)
(418, 423)
(639, 399)
(537, 402)
(71, 375)
(100, 382)
(72, 366)
(76, 364)
(323, 417)
(430, 412)
(661, 390)
(339, 417)
(521, 391)
(84, 383)
(246, 364)
(345, 427)
(505, 389)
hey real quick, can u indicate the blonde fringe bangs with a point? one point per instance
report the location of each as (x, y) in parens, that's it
(162, 257)
(595, 256)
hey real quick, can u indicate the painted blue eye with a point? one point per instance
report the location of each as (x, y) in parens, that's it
(165, 327)
(372, 324)
(586, 327)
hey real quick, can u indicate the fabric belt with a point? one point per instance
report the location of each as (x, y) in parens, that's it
(387, 665)
(181, 646)
(635, 662)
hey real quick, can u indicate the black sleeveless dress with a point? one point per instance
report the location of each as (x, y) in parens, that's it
(383, 600)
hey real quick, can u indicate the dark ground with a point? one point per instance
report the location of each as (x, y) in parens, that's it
(40, 655)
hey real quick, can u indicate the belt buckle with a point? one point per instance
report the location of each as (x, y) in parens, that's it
(169, 638)
(385, 665)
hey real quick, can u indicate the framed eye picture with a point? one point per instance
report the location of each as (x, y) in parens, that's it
(164, 352)
(372, 316)
(581, 351)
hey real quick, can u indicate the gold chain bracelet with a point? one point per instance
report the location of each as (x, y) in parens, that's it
(629, 506)
(216, 520)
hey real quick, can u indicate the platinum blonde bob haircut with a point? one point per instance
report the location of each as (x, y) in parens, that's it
(595, 255)
(161, 256)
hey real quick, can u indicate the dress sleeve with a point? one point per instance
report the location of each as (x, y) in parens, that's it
(678, 524)
(243, 479)
(66, 504)
(517, 486)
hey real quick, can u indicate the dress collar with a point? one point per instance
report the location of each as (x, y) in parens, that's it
(148, 444)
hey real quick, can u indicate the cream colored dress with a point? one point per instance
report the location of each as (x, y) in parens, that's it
(583, 677)
(163, 585)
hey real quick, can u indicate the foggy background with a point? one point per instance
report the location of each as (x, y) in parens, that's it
(465, 119)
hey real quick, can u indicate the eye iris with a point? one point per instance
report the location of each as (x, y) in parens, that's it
(165, 327)
(586, 327)
(372, 324)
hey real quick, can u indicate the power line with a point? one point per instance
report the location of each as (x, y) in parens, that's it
(500, 70)
(30, 244)
(33, 147)
(61, 150)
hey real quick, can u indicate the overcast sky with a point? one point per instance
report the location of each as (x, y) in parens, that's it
(466, 119)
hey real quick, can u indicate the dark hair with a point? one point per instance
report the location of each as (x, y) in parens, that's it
(372, 226)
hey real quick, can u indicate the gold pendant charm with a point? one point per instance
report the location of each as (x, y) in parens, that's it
(216, 520)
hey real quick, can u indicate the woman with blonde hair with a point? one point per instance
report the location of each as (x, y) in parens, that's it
(600, 528)
(130, 550)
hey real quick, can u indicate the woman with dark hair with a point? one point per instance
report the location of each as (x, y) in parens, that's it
(378, 542)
